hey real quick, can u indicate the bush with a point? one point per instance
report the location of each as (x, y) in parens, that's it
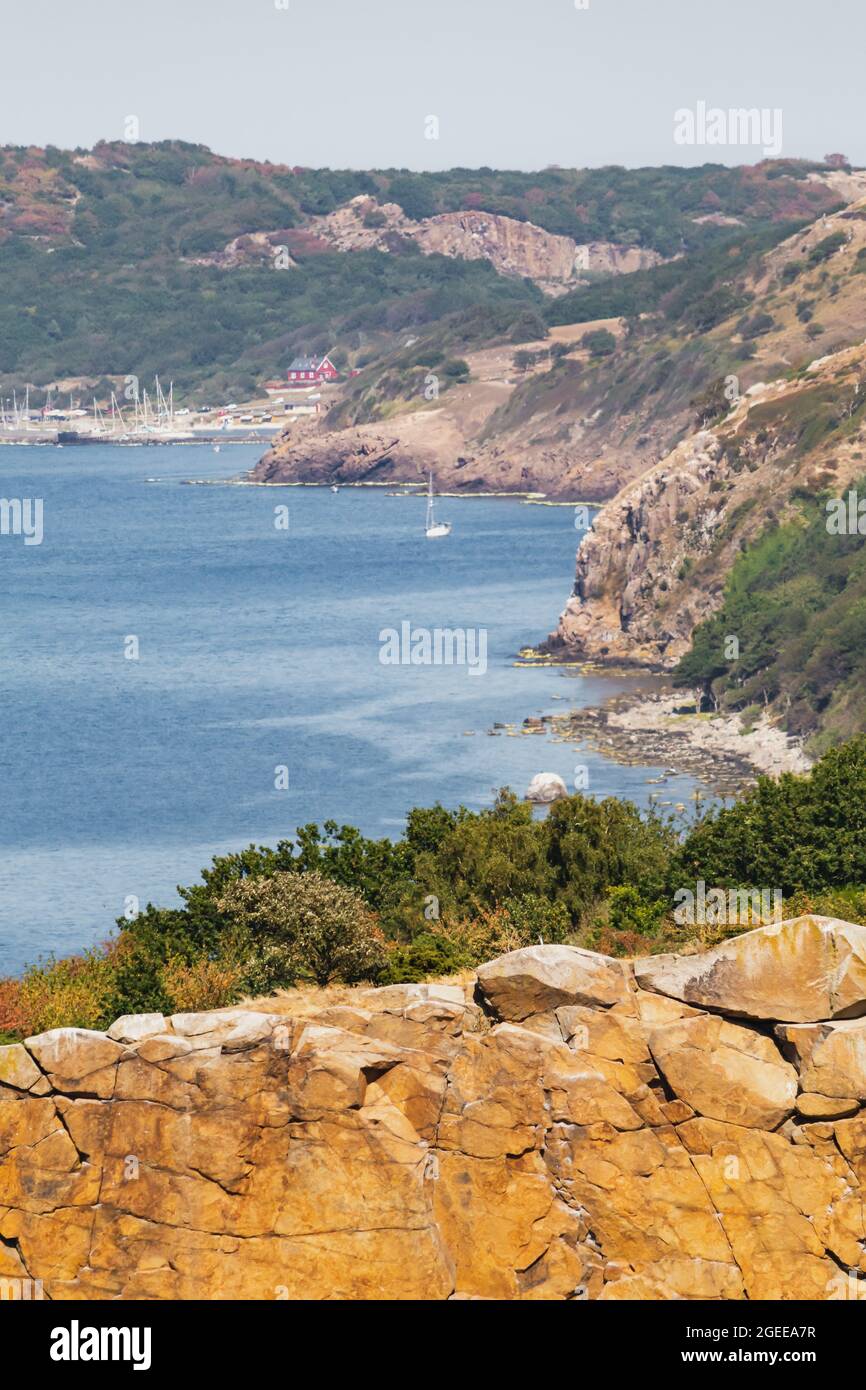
(463, 943)
(535, 918)
(755, 326)
(599, 343)
(827, 248)
(14, 1021)
(593, 844)
(206, 984)
(73, 992)
(798, 833)
(791, 271)
(490, 933)
(302, 926)
(431, 953)
(157, 937)
(528, 327)
(630, 911)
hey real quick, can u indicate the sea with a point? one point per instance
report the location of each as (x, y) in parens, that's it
(190, 666)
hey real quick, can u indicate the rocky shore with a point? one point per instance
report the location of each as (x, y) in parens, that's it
(651, 724)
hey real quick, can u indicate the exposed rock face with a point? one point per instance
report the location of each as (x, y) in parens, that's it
(515, 248)
(573, 1137)
(654, 562)
(725, 1072)
(752, 975)
(537, 978)
(831, 1057)
(636, 545)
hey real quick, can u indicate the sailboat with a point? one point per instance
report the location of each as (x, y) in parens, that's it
(433, 528)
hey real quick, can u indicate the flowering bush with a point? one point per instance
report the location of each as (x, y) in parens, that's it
(294, 926)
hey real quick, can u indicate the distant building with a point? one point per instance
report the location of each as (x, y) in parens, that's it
(310, 371)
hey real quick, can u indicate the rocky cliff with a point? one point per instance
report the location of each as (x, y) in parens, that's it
(654, 563)
(513, 247)
(564, 1126)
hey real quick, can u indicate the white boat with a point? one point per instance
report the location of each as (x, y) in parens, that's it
(216, 448)
(433, 528)
(334, 488)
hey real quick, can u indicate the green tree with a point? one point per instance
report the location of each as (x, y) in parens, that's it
(293, 926)
(599, 343)
(797, 833)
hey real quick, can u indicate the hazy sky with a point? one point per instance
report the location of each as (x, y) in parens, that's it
(350, 83)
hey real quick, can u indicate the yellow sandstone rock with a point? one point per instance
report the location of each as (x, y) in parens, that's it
(579, 1138)
(799, 971)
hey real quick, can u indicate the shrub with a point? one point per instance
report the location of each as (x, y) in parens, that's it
(490, 933)
(827, 248)
(599, 343)
(302, 926)
(73, 992)
(528, 327)
(613, 943)
(206, 984)
(593, 844)
(631, 911)
(755, 325)
(151, 940)
(798, 833)
(536, 918)
(431, 953)
(14, 1021)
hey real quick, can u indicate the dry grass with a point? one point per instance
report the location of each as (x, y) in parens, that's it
(304, 1001)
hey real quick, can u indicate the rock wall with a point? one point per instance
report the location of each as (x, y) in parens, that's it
(687, 1128)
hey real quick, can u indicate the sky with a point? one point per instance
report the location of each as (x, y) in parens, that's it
(511, 83)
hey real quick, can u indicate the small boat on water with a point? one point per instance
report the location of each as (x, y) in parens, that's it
(433, 529)
(216, 448)
(334, 488)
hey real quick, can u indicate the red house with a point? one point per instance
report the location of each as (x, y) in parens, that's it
(310, 371)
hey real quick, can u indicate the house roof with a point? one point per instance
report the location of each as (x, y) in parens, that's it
(303, 364)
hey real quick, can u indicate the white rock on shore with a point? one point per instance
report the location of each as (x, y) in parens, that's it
(546, 787)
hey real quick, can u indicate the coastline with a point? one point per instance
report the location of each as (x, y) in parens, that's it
(647, 725)
(412, 489)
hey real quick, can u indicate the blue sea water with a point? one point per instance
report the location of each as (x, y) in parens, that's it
(258, 648)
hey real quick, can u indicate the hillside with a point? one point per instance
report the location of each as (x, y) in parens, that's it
(548, 412)
(143, 259)
(719, 563)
